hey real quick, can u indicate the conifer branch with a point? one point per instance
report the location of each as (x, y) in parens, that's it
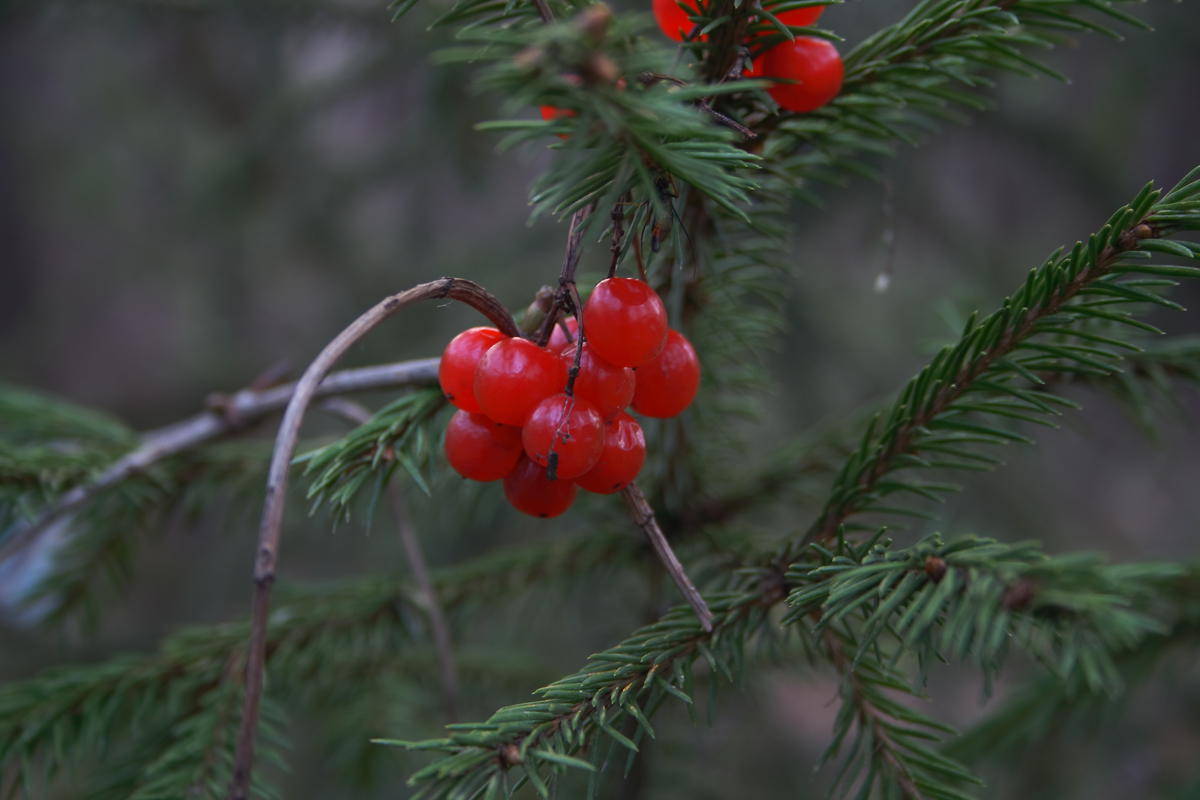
(927, 417)
(318, 638)
(886, 745)
(574, 711)
(227, 414)
(277, 480)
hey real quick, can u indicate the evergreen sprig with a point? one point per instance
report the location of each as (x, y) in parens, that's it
(996, 370)
(629, 681)
(973, 599)
(189, 695)
(890, 753)
(398, 434)
(929, 66)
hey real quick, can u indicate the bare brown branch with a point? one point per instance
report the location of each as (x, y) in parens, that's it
(277, 480)
(643, 517)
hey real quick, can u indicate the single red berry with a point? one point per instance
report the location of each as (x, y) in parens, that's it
(456, 372)
(625, 322)
(667, 385)
(531, 492)
(621, 459)
(514, 376)
(815, 66)
(673, 20)
(608, 388)
(480, 449)
(554, 112)
(566, 430)
(558, 340)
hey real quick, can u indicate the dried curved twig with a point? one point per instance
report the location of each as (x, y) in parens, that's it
(285, 446)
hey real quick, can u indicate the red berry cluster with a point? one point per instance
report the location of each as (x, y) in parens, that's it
(517, 422)
(812, 68)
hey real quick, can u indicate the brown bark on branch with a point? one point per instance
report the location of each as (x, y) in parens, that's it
(643, 517)
(277, 479)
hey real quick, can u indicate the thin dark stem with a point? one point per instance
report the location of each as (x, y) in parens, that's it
(643, 517)
(543, 9)
(618, 222)
(277, 479)
(226, 414)
(570, 262)
(427, 596)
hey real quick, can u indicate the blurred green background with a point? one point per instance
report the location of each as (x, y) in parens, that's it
(193, 191)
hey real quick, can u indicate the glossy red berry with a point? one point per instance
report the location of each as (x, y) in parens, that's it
(456, 372)
(531, 492)
(815, 66)
(625, 322)
(566, 430)
(514, 376)
(673, 20)
(480, 449)
(558, 340)
(667, 385)
(608, 388)
(621, 459)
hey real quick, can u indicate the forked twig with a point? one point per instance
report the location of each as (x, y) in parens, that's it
(440, 628)
(277, 479)
(643, 516)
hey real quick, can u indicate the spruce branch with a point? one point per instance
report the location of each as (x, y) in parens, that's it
(226, 414)
(887, 750)
(277, 480)
(972, 599)
(1049, 703)
(573, 714)
(932, 418)
(323, 643)
(549, 733)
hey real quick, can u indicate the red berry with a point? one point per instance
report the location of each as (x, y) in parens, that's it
(608, 388)
(531, 492)
(456, 372)
(558, 340)
(666, 386)
(673, 20)
(554, 112)
(621, 459)
(813, 63)
(625, 322)
(514, 376)
(480, 449)
(568, 429)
